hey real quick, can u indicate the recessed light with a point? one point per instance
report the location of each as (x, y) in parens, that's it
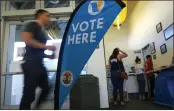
(54, 1)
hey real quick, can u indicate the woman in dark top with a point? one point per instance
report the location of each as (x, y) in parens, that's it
(116, 67)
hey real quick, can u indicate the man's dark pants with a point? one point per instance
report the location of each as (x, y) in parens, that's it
(151, 85)
(35, 75)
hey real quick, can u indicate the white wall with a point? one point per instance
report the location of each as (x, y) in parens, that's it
(139, 29)
(145, 17)
(96, 66)
(119, 38)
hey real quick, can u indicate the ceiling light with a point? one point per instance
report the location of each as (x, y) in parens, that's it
(122, 15)
(118, 23)
(54, 1)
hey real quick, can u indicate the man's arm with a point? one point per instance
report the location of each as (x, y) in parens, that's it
(27, 37)
(124, 54)
(146, 66)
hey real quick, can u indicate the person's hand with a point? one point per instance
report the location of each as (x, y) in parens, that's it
(52, 48)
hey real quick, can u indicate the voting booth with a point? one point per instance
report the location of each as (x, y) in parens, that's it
(85, 93)
(164, 88)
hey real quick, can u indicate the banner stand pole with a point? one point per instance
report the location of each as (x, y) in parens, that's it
(56, 92)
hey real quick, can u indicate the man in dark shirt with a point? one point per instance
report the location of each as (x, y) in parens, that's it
(150, 75)
(35, 73)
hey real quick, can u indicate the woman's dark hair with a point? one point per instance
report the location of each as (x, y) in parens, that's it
(137, 59)
(115, 53)
(39, 12)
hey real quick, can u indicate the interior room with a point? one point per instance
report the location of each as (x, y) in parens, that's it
(142, 28)
(138, 31)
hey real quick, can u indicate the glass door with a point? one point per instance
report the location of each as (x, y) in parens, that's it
(8, 53)
(14, 48)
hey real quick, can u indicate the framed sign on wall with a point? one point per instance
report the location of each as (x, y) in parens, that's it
(152, 48)
(159, 27)
(169, 32)
(163, 48)
(154, 57)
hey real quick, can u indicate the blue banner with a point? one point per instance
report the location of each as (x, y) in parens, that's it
(86, 28)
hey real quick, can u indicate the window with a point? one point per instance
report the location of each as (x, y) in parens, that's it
(21, 4)
(56, 3)
(77, 2)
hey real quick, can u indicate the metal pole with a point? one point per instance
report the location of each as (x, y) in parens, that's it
(19, 73)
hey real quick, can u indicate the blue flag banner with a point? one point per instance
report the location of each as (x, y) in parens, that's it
(86, 28)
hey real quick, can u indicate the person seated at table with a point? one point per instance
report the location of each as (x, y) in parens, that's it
(150, 75)
(140, 78)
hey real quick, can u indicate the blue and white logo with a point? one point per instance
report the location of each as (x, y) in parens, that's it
(95, 7)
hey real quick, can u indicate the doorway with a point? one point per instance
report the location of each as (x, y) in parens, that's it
(12, 81)
(146, 51)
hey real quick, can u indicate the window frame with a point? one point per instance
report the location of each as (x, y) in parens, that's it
(39, 4)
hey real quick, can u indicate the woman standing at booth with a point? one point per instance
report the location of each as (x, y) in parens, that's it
(140, 78)
(116, 67)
